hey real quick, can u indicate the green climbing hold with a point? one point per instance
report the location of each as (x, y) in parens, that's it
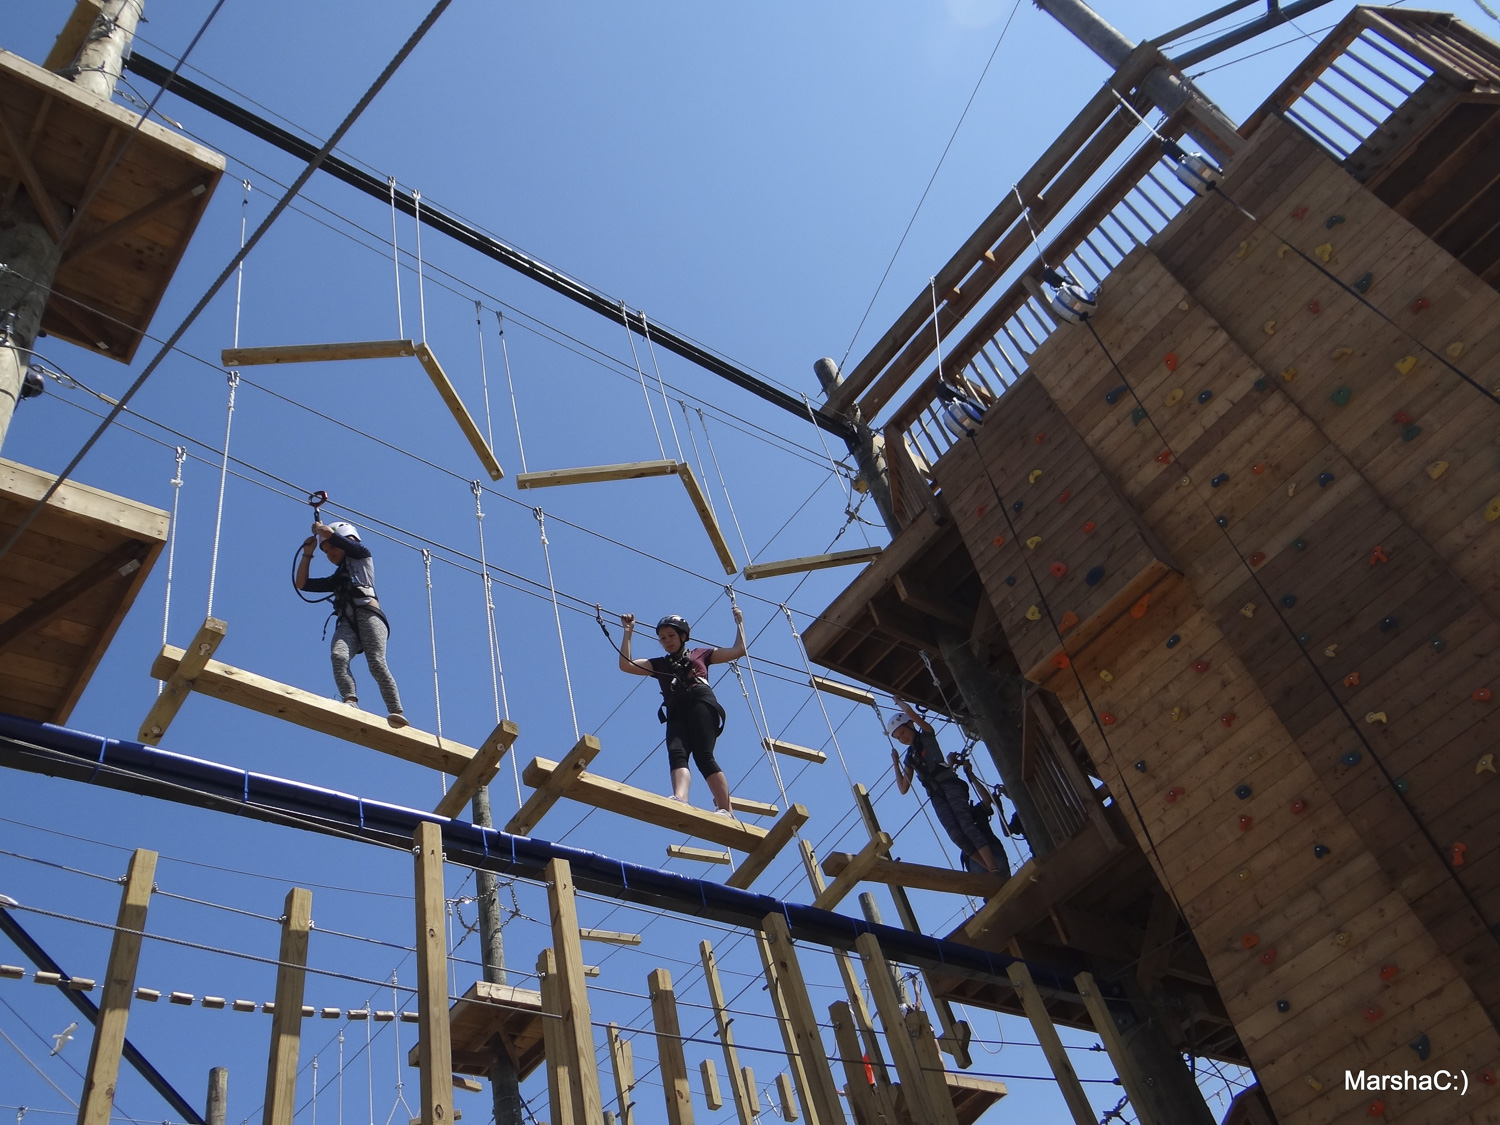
(1341, 396)
(1410, 433)
(1363, 284)
(1138, 415)
(1402, 785)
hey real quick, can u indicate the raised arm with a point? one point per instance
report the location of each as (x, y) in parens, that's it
(725, 655)
(640, 666)
(300, 579)
(916, 720)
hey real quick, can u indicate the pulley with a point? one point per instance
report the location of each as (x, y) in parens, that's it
(1068, 299)
(1192, 168)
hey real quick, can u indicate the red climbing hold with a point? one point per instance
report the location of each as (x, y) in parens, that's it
(1058, 569)
(1245, 823)
(1314, 307)
(1388, 972)
(1458, 853)
(1164, 457)
(1402, 418)
(1067, 494)
(1378, 556)
(1300, 213)
(1258, 468)
(1170, 359)
(1268, 956)
(1420, 303)
(1107, 718)
(1088, 527)
(1200, 666)
(1227, 719)
(1373, 1014)
(1250, 941)
(1487, 1076)
(1138, 610)
(1040, 438)
(1060, 660)
(1482, 695)
(979, 511)
(1377, 1108)
(999, 540)
(1257, 558)
(1173, 793)
(1299, 806)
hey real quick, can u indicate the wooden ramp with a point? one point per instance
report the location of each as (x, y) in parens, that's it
(485, 1011)
(282, 701)
(917, 876)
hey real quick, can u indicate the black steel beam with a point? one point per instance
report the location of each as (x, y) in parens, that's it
(475, 239)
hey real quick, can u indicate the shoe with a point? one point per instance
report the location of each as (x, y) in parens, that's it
(724, 812)
(352, 701)
(396, 720)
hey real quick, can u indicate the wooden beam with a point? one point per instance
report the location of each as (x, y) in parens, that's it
(318, 353)
(594, 474)
(674, 1072)
(33, 181)
(857, 1086)
(609, 937)
(123, 561)
(706, 514)
(903, 1050)
(1038, 884)
(722, 1022)
(1156, 944)
(846, 691)
(854, 872)
(191, 189)
(316, 712)
(573, 992)
(752, 1092)
(917, 876)
(754, 808)
(823, 1093)
(556, 1042)
(1109, 1033)
(784, 1093)
(919, 1028)
(460, 413)
(70, 40)
(622, 1062)
(924, 601)
(286, 1018)
(97, 1103)
(792, 750)
(550, 780)
(434, 1045)
(794, 1057)
(180, 682)
(856, 557)
(710, 1078)
(480, 771)
(702, 855)
(1046, 1034)
(777, 838)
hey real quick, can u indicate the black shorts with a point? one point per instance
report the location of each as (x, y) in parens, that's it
(693, 726)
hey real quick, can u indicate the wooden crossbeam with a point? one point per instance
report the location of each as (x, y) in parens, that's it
(460, 413)
(812, 562)
(754, 808)
(180, 682)
(854, 872)
(33, 181)
(609, 937)
(702, 855)
(778, 837)
(1052, 1048)
(594, 474)
(480, 771)
(123, 561)
(706, 514)
(315, 712)
(191, 189)
(318, 353)
(551, 786)
(844, 691)
(917, 876)
(792, 750)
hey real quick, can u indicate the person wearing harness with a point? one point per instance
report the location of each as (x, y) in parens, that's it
(693, 715)
(945, 789)
(362, 626)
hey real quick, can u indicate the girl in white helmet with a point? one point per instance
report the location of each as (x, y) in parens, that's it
(947, 791)
(362, 627)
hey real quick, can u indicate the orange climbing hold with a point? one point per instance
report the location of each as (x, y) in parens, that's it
(999, 540)
(1388, 972)
(1173, 793)
(1088, 527)
(1164, 457)
(1250, 941)
(1107, 718)
(1457, 853)
(1377, 1108)
(1068, 620)
(1378, 556)
(1257, 558)
(1060, 660)
(1482, 695)
(1351, 680)
(1170, 359)
(1138, 610)
(1258, 468)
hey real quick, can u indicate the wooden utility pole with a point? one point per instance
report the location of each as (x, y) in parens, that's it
(218, 1096)
(557, 1044)
(505, 1085)
(286, 1018)
(434, 1045)
(722, 1020)
(1046, 1034)
(119, 986)
(674, 1072)
(588, 1107)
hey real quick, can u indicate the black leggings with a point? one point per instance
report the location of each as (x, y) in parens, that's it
(693, 728)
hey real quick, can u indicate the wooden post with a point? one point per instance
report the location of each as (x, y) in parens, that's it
(556, 1042)
(711, 1095)
(903, 1051)
(784, 1024)
(119, 985)
(674, 1075)
(434, 1049)
(752, 1092)
(857, 1086)
(788, 1103)
(180, 684)
(919, 1028)
(587, 1105)
(820, 1090)
(286, 1020)
(622, 1062)
(1141, 1102)
(726, 1037)
(218, 1096)
(1046, 1035)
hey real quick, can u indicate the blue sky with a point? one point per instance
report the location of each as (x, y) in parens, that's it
(741, 174)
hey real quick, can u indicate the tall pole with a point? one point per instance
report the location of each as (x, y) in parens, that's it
(505, 1085)
(218, 1096)
(30, 244)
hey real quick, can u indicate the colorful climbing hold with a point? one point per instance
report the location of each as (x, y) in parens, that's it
(1402, 418)
(1060, 660)
(1138, 610)
(1200, 666)
(1247, 610)
(1420, 303)
(1268, 956)
(1222, 478)
(1138, 415)
(1204, 396)
(1068, 620)
(1173, 793)
(1363, 284)
(1258, 468)
(1288, 600)
(1343, 937)
(1283, 250)
(1164, 457)
(1288, 374)
(1140, 765)
(1422, 1045)
(1094, 576)
(1325, 251)
(1372, 1014)
(1331, 651)
(1388, 623)
(1303, 638)
(1314, 308)
(1332, 221)
(1401, 785)
(1341, 396)
(1378, 555)
(1341, 353)
(1410, 433)
(1351, 680)
(1375, 717)
(1300, 213)
(1257, 558)
(1299, 806)
(1406, 363)
(1017, 506)
(1033, 614)
(1325, 479)
(1291, 489)
(1088, 527)
(1487, 1076)
(1352, 758)
(1457, 853)
(1033, 476)
(1222, 521)
(1245, 823)
(1106, 675)
(1040, 438)
(1492, 510)
(1170, 359)
(1172, 640)
(1313, 1084)
(1486, 764)
(1243, 250)
(1113, 396)
(1107, 718)
(1010, 579)
(1227, 719)
(1269, 328)
(1058, 569)
(1249, 941)
(1388, 972)
(1437, 469)
(1299, 544)
(1283, 1005)
(1376, 1108)
(1178, 714)
(1174, 396)
(1064, 496)
(1243, 792)
(1321, 850)
(1482, 695)
(999, 540)
(1455, 349)
(1034, 542)
(1185, 481)
(979, 511)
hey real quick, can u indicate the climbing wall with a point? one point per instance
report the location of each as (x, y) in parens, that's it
(1302, 731)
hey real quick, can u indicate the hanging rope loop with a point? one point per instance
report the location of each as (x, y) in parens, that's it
(396, 259)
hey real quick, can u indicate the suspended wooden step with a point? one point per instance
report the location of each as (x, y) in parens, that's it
(376, 349)
(634, 470)
(792, 750)
(916, 876)
(702, 855)
(485, 1011)
(812, 562)
(754, 808)
(480, 771)
(609, 937)
(854, 872)
(315, 712)
(843, 690)
(551, 781)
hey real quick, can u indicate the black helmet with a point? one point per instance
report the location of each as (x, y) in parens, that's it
(674, 621)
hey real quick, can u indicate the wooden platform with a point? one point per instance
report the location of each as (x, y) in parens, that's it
(58, 141)
(487, 1010)
(65, 586)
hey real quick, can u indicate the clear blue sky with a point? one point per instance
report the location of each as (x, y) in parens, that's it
(740, 173)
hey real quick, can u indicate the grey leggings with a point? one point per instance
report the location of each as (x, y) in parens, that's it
(370, 639)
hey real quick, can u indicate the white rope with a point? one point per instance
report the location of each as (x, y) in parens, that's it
(213, 564)
(484, 375)
(660, 386)
(239, 278)
(514, 410)
(687, 422)
(341, 1076)
(937, 329)
(421, 282)
(497, 667)
(315, 1090)
(811, 679)
(541, 523)
(723, 485)
(763, 726)
(166, 609)
(400, 1060)
(369, 1076)
(437, 695)
(396, 262)
(645, 394)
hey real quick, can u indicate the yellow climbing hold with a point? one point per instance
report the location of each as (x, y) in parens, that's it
(1184, 482)
(1343, 937)
(1289, 374)
(1034, 542)
(1314, 1083)
(1406, 363)
(1269, 327)
(1174, 396)
(1291, 489)
(1283, 250)
(1178, 713)
(1034, 476)
(1486, 764)
(1183, 305)
(1325, 251)
(1375, 717)
(1247, 610)
(1455, 349)
(1033, 614)
(1492, 510)
(1437, 469)
(1106, 675)
(1252, 757)
(1243, 250)
(1341, 353)
(1331, 651)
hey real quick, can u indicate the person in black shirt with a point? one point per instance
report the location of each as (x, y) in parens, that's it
(945, 789)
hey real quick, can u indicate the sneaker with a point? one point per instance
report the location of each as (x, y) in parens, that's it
(352, 701)
(396, 719)
(724, 812)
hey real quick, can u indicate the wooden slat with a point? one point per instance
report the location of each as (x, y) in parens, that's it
(709, 1076)
(609, 937)
(844, 691)
(918, 876)
(196, 186)
(460, 413)
(754, 808)
(674, 1073)
(594, 474)
(779, 1007)
(812, 562)
(180, 683)
(792, 750)
(702, 855)
(561, 1064)
(286, 1018)
(784, 1095)
(770, 845)
(317, 353)
(854, 872)
(480, 771)
(316, 712)
(550, 780)
(857, 1087)
(434, 1049)
(706, 514)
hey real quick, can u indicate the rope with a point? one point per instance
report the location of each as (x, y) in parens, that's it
(937, 328)
(421, 284)
(714, 455)
(510, 384)
(484, 374)
(541, 523)
(833, 466)
(802, 651)
(400, 1059)
(213, 563)
(687, 423)
(437, 696)
(660, 386)
(497, 668)
(239, 273)
(180, 452)
(396, 259)
(645, 394)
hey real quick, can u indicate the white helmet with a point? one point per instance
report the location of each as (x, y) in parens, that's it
(897, 720)
(345, 530)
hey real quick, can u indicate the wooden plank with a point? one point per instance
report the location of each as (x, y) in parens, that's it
(480, 771)
(795, 1060)
(180, 683)
(1125, 1066)
(784, 1095)
(812, 562)
(722, 1022)
(70, 40)
(854, 872)
(804, 1024)
(792, 750)
(317, 353)
(622, 1062)
(706, 514)
(196, 186)
(122, 561)
(286, 1018)
(561, 1065)
(316, 712)
(1062, 1069)
(754, 808)
(712, 1097)
(752, 1091)
(97, 1101)
(674, 1073)
(551, 780)
(919, 1028)
(460, 413)
(845, 691)
(594, 474)
(434, 1045)
(777, 838)
(702, 855)
(572, 991)
(45, 208)
(857, 1086)
(918, 876)
(903, 1051)
(609, 937)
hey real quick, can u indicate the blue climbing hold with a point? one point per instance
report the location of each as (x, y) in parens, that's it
(1288, 600)
(1300, 544)
(1320, 850)
(1388, 623)
(1114, 396)
(1204, 396)
(1242, 792)
(1017, 506)
(1222, 478)
(1303, 638)
(1283, 1005)
(1094, 576)
(1138, 415)
(1010, 579)
(1401, 784)
(1332, 221)
(1363, 284)
(1140, 766)
(1172, 640)
(1410, 433)
(1353, 758)
(1262, 383)
(1438, 644)
(1422, 1045)
(1222, 521)
(1325, 479)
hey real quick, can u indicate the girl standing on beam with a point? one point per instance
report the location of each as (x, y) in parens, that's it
(693, 715)
(945, 789)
